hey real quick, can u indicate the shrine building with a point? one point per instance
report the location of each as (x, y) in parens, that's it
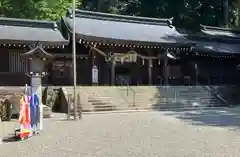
(19, 36)
(125, 49)
(216, 56)
(118, 49)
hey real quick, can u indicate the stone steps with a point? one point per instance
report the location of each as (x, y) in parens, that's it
(146, 97)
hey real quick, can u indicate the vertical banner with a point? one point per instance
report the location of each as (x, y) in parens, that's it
(94, 74)
(24, 117)
(37, 89)
(34, 110)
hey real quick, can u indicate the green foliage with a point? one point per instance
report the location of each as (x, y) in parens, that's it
(35, 9)
(187, 13)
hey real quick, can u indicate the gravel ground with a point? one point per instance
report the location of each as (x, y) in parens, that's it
(142, 134)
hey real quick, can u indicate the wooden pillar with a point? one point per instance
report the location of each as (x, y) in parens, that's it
(138, 71)
(165, 68)
(113, 73)
(113, 66)
(150, 64)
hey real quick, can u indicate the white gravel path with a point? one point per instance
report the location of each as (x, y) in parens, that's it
(142, 134)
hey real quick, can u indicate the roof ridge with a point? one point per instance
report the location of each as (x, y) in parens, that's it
(121, 18)
(28, 23)
(207, 28)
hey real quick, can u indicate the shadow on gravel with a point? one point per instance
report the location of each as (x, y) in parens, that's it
(224, 117)
(203, 114)
(11, 139)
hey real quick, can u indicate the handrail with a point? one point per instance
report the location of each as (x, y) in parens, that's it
(161, 80)
(216, 94)
(123, 81)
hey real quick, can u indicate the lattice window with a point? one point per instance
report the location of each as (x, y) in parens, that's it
(17, 64)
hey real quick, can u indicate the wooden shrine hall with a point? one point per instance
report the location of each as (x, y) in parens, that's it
(216, 55)
(19, 36)
(134, 50)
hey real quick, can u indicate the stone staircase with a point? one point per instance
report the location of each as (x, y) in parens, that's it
(231, 93)
(93, 98)
(138, 97)
(111, 98)
(100, 99)
(186, 97)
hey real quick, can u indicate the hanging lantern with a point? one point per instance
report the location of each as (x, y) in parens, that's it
(159, 62)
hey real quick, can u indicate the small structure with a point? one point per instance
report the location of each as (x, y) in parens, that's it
(38, 58)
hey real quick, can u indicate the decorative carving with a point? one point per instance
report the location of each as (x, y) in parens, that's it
(37, 51)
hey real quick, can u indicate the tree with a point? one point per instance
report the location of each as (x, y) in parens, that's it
(35, 9)
(5, 7)
(186, 13)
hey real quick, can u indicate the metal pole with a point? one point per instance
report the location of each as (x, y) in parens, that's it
(69, 107)
(79, 106)
(74, 60)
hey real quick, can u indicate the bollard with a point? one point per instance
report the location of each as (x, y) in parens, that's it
(79, 107)
(69, 107)
(2, 130)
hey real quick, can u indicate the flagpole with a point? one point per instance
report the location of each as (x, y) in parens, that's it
(74, 60)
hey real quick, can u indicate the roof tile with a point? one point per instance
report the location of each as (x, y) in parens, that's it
(22, 31)
(95, 26)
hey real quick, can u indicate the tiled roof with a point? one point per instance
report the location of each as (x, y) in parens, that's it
(216, 40)
(217, 47)
(22, 31)
(220, 32)
(102, 27)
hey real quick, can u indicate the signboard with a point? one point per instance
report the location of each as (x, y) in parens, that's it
(119, 57)
(129, 57)
(94, 74)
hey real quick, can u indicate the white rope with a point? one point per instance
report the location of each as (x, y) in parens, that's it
(125, 54)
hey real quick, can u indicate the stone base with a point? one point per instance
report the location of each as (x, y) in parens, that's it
(47, 112)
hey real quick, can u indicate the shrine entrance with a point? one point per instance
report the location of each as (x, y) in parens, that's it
(61, 73)
(124, 73)
(124, 68)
